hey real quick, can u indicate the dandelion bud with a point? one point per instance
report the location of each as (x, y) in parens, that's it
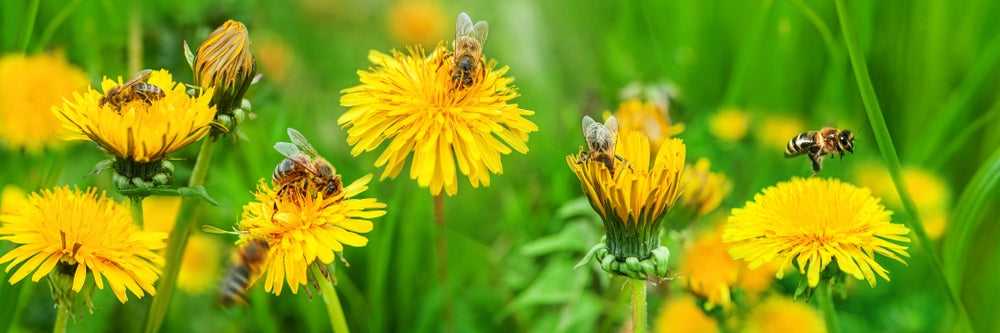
(224, 62)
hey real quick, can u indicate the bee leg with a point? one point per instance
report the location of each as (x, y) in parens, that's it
(584, 157)
(817, 161)
(627, 164)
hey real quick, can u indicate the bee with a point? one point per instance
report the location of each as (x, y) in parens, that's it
(828, 140)
(302, 167)
(468, 45)
(249, 263)
(132, 90)
(601, 141)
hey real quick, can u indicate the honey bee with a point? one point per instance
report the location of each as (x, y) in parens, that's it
(249, 263)
(601, 141)
(302, 167)
(132, 90)
(468, 45)
(828, 140)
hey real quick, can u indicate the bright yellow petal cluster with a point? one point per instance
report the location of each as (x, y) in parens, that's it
(86, 232)
(29, 87)
(412, 102)
(306, 228)
(780, 314)
(710, 272)
(647, 118)
(140, 132)
(681, 315)
(638, 193)
(815, 222)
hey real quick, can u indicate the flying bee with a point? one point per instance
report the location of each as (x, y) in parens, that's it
(828, 140)
(468, 45)
(601, 141)
(132, 90)
(302, 167)
(248, 265)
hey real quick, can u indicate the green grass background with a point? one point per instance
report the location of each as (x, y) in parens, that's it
(512, 245)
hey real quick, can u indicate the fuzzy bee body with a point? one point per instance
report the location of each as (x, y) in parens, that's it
(468, 45)
(248, 266)
(601, 142)
(817, 144)
(303, 167)
(133, 89)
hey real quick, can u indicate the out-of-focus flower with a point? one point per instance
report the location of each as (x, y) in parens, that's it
(303, 227)
(680, 314)
(647, 118)
(413, 102)
(930, 193)
(56, 235)
(702, 192)
(815, 222)
(729, 124)
(632, 202)
(31, 85)
(200, 266)
(416, 22)
(710, 272)
(780, 314)
(775, 131)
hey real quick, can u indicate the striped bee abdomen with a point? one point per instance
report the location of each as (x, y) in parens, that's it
(800, 144)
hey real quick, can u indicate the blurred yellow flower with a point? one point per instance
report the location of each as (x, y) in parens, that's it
(702, 191)
(710, 272)
(780, 314)
(930, 193)
(139, 132)
(729, 124)
(680, 314)
(274, 57)
(200, 266)
(56, 229)
(302, 227)
(416, 22)
(12, 196)
(815, 222)
(31, 86)
(774, 131)
(411, 101)
(647, 118)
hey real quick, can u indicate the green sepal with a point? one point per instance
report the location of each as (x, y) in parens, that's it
(101, 166)
(189, 56)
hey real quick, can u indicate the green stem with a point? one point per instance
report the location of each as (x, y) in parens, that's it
(638, 305)
(29, 27)
(135, 37)
(61, 319)
(136, 208)
(337, 320)
(178, 241)
(442, 254)
(890, 157)
(50, 29)
(824, 295)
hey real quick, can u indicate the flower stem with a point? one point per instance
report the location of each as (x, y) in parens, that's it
(888, 149)
(136, 208)
(333, 308)
(61, 318)
(30, 25)
(442, 254)
(824, 295)
(135, 37)
(178, 241)
(638, 305)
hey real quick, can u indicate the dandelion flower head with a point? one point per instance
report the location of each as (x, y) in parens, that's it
(729, 124)
(31, 86)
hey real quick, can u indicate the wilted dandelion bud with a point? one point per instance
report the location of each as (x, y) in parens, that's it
(225, 63)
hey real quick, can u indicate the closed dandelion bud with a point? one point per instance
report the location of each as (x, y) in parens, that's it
(224, 62)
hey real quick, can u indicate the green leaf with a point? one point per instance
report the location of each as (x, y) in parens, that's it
(966, 221)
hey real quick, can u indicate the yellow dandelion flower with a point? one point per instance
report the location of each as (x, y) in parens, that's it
(816, 222)
(634, 200)
(200, 265)
(306, 228)
(710, 272)
(140, 132)
(31, 86)
(702, 190)
(729, 124)
(775, 131)
(12, 196)
(930, 193)
(411, 101)
(780, 314)
(416, 21)
(681, 315)
(647, 118)
(56, 229)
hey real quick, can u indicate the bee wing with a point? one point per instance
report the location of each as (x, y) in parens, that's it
(479, 32)
(587, 121)
(463, 26)
(612, 125)
(138, 77)
(287, 149)
(300, 140)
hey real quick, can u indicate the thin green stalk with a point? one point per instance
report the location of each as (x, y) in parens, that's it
(50, 29)
(61, 319)
(638, 305)
(967, 221)
(958, 141)
(136, 208)
(888, 151)
(333, 309)
(734, 92)
(29, 27)
(824, 296)
(442, 254)
(135, 37)
(178, 241)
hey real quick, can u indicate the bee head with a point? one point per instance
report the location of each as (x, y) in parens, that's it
(333, 186)
(847, 141)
